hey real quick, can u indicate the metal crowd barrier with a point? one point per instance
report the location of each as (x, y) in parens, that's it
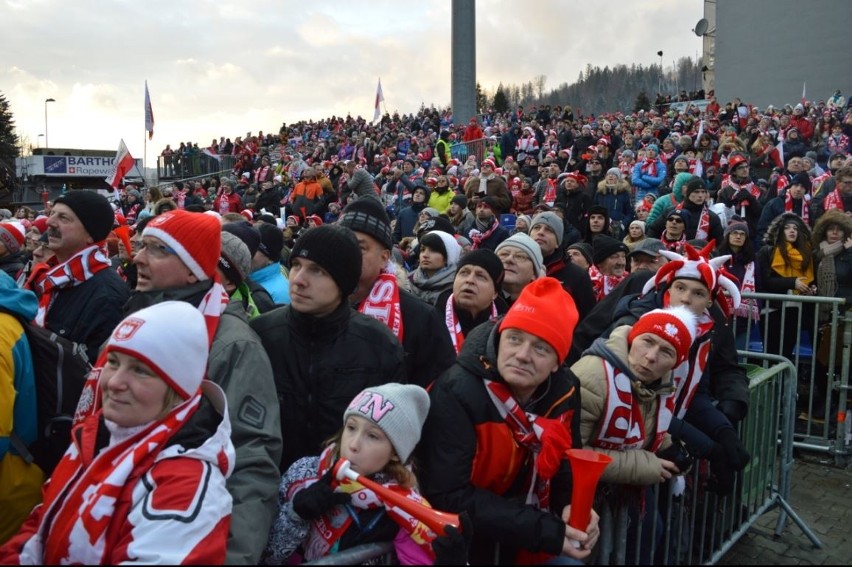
(699, 526)
(821, 425)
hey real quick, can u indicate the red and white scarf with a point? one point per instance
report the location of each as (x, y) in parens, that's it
(603, 284)
(748, 307)
(547, 439)
(82, 493)
(703, 230)
(78, 269)
(382, 303)
(649, 166)
(623, 426)
(788, 206)
(687, 376)
(181, 198)
(833, 200)
(453, 325)
(728, 180)
(477, 236)
(327, 530)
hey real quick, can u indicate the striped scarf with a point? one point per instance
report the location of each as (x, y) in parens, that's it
(382, 303)
(75, 271)
(789, 202)
(82, 493)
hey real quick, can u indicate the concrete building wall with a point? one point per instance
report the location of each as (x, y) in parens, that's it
(463, 65)
(766, 49)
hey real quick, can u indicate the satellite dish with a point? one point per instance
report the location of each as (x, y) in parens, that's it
(701, 27)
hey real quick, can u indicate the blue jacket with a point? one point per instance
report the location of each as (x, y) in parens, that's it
(274, 282)
(646, 183)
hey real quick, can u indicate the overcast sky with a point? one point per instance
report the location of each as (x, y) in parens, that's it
(222, 68)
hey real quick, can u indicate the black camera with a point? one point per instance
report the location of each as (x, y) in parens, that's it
(679, 455)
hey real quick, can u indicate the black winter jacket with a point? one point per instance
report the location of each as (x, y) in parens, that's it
(319, 365)
(456, 465)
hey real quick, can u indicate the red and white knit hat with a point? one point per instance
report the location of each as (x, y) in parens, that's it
(196, 239)
(12, 235)
(675, 325)
(489, 162)
(150, 335)
(696, 266)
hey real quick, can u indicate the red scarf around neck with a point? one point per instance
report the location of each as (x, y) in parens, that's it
(453, 325)
(476, 236)
(78, 269)
(382, 303)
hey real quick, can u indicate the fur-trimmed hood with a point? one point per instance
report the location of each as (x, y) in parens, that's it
(775, 228)
(622, 187)
(831, 217)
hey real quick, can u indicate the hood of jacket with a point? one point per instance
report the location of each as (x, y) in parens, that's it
(679, 182)
(621, 187)
(776, 228)
(22, 302)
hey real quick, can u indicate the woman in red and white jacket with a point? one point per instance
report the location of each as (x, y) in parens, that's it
(144, 477)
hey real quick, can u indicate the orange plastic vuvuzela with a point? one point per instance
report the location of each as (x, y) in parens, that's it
(586, 467)
(434, 519)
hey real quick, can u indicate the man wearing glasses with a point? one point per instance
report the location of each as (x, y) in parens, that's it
(177, 261)
(674, 235)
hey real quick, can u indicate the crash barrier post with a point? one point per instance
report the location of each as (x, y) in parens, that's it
(698, 526)
(821, 356)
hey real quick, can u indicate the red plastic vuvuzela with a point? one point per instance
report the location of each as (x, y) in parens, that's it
(586, 467)
(434, 519)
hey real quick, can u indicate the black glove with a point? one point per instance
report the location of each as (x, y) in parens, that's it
(452, 549)
(722, 482)
(735, 411)
(736, 456)
(318, 498)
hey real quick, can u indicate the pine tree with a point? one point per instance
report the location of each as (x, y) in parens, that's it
(8, 140)
(642, 102)
(8, 149)
(481, 99)
(501, 101)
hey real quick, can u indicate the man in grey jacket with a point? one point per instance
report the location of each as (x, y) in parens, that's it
(177, 261)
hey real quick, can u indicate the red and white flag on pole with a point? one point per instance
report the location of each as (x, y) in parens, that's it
(123, 163)
(211, 153)
(380, 98)
(804, 93)
(149, 113)
(777, 153)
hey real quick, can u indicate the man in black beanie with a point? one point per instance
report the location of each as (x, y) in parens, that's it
(322, 352)
(610, 264)
(81, 295)
(415, 323)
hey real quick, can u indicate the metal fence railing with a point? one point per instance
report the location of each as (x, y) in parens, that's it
(818, 341)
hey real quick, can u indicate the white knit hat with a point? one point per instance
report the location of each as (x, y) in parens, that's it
(13, 236)
(171, 338)
(397, 409)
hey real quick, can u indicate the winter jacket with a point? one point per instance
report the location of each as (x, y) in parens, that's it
(20, 482)
(239, 364)
(228, 203)
(667, 202)
(500, 234)
(441, 201)
(361, 183)
(290, 531)
(273, 281)
(406, 219)
(576, 204)
(770, 280)
(178, 512)
(617, 201)
(470, 461)
(320, 364)
(88, 313)
(494, 187)
(427, 348)
(574, 279)
(714, 230)
(771, 211)
(12, 264)
(629, 465)
(645, 182)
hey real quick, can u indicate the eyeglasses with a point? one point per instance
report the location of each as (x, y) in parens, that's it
(676, 220)
(518, 257)
(157, 250)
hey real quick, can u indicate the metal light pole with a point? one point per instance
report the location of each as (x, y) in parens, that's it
(46, 143)
(660, 53)
(38, 140)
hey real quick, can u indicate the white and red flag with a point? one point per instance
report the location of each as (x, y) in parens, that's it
(123, 163)
(804, 95)
(149, 113)
(380, 98)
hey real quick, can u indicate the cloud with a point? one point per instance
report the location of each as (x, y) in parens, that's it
(222, 68)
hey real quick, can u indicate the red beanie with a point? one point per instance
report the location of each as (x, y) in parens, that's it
(13, 236)
(123, 232)
(546, 310)
(195, 237)
(675, 325)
